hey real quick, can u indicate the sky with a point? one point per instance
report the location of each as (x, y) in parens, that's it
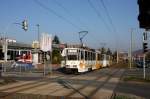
(108, 22)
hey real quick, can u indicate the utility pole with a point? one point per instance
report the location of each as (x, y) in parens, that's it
(144, 65)
(131, 48)
(5, 48)
(117, 56)
(145, 49)
(38, 42)
(38, 26)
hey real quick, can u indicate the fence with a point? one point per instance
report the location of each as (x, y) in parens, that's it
(24, 69)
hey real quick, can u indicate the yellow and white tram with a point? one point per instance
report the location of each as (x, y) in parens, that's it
(105, 60)
(80, 59)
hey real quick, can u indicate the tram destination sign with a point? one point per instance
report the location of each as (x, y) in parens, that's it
(72, 51)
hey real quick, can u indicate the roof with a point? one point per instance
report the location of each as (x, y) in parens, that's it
(17, 45)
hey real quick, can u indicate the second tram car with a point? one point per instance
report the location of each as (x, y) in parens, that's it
(105, 60)
(80, 59)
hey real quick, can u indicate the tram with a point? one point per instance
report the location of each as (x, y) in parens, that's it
(105, 60)
(80, 59)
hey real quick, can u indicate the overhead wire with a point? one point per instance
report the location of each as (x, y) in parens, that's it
(56, 14)
(108, 15)
(76, 18)
(110, 21)
(99, 15)
(69, 13)
(60, 16)
(112, 29)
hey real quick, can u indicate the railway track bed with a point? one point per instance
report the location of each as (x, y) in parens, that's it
(84, 86)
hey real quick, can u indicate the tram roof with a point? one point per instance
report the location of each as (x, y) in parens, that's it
(79, 46)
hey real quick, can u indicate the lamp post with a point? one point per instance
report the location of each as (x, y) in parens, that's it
(38, 28)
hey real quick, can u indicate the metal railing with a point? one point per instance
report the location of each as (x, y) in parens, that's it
(24, 69)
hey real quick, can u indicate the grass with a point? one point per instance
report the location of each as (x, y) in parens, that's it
(132, 78)
(7, 80)
(123, 97)
(121, 64)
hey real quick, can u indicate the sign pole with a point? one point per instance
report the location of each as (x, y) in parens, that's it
(51, 62)
(144, 51)
(144, 66)
(44, 62)
(46, 46)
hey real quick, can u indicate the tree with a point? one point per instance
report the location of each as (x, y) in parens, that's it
(56, 40)
(114, 55)
(103, 50)
(56, 55)
(148, 56)
(109, 52)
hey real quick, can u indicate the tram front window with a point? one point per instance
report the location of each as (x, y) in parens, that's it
(72, 54)
(72, 57)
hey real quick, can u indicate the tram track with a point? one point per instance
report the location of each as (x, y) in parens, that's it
(90, 83)
(5, 93)
(62, 81)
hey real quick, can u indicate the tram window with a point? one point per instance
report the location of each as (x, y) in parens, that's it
(98, 56)
(86, 55)
(72, 57)
(90, 55)
(107, 57)
(82, 55)
(72, 54)
(94, 56)
(103, 57)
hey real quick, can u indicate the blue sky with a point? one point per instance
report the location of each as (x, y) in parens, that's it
(79, 15)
